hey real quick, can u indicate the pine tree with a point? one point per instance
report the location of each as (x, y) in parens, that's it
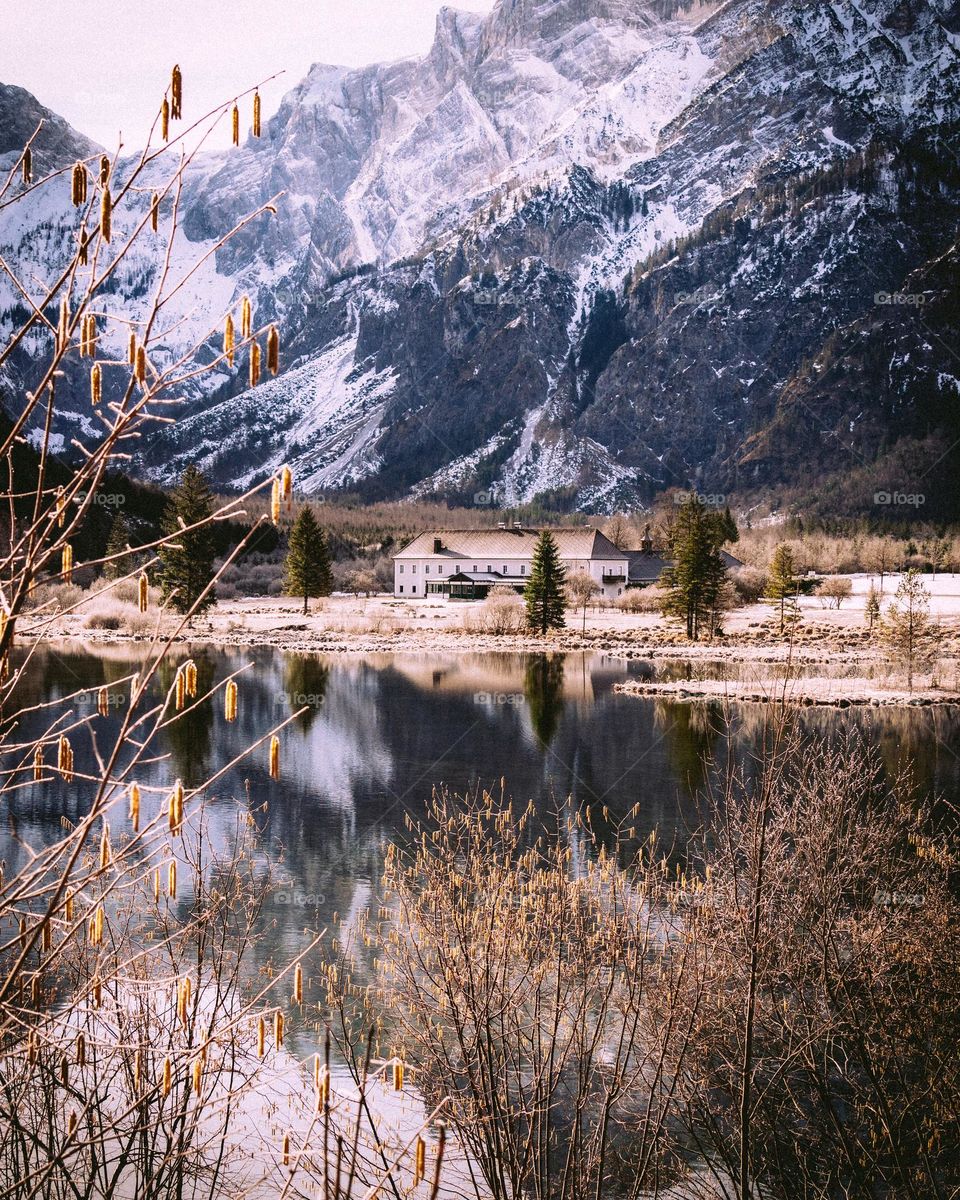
(871, 608)
(544, 591)
(307, 570)
(729, 526)
(118, 542)
(908, 633)
(782, 582)
(695, 578)
(186, 563)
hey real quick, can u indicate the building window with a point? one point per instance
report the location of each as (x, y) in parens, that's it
(401, 568)
(489, 569)
(413, 569)
(401, 587)
(413, 588)
(523, 569)
(426, 569)
(474, 566)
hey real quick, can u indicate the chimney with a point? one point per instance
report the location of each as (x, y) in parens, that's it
(646, 545)
(437, 545)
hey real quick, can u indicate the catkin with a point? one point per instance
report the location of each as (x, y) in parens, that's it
(106, 212)
(246, 317)
(104, 170)
(38, 764)
(132, 349)
(46, 936)
(156, 884)
(71, 1124)
(79, 185)
(197, 1076)
(96, 926)
(275, 502)
(286, 1149)
(63, 325)
(175, 808)
(27, 165)
(167, 1077)
(105, 853)
(298, 984)
(135, 807)
(172, 880)
(261, 1037)
(256, 114)
(66, 564)
(229, 339)
(142, 592)
(254, 364)
(180, 691)
(230, 700)
(274, 757)
(420, 1162)
(190, 677)
(141, 366)
(155, 212)
(273, 350)
(61, 507)
(176, 93)
(83, 255)
(68, 908)
(65, 759)
(286, 485)
(278, 1030)
(165, 119)
(88, 336)
(103, 702)
(235, 122)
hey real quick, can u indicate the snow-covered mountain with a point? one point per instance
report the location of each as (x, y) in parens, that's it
(584, 249)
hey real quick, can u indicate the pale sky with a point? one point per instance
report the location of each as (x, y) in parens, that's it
(104, 65)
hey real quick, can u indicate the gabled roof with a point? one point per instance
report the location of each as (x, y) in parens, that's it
(648, 565)
(580, 541)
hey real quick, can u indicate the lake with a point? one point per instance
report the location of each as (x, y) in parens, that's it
(377, 732)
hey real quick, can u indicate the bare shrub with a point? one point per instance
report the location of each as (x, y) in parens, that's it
(834, 591)
(750, 584)
(641, 600)
(501, 613)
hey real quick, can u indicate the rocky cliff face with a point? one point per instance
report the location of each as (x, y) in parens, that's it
(609, 247)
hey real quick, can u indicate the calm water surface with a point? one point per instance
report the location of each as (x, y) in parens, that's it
(378, 732)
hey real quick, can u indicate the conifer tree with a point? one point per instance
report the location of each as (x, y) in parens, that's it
(782, 584)
(118, 541)
(544, 592)
(728, 526)
(695, 578)
(871, 608)
(186, 564)
(307, 570)
(908, 633)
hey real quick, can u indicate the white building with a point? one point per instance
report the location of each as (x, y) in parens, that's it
(465, 563)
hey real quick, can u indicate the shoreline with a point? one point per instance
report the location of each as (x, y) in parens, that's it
(793, 677)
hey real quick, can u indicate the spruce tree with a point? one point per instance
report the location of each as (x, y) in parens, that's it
(118, 541)
(307, 571)
(729, 526)
(186, 563)
(871, 609)
(695, 578)
(782, 582)
(544, 591)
